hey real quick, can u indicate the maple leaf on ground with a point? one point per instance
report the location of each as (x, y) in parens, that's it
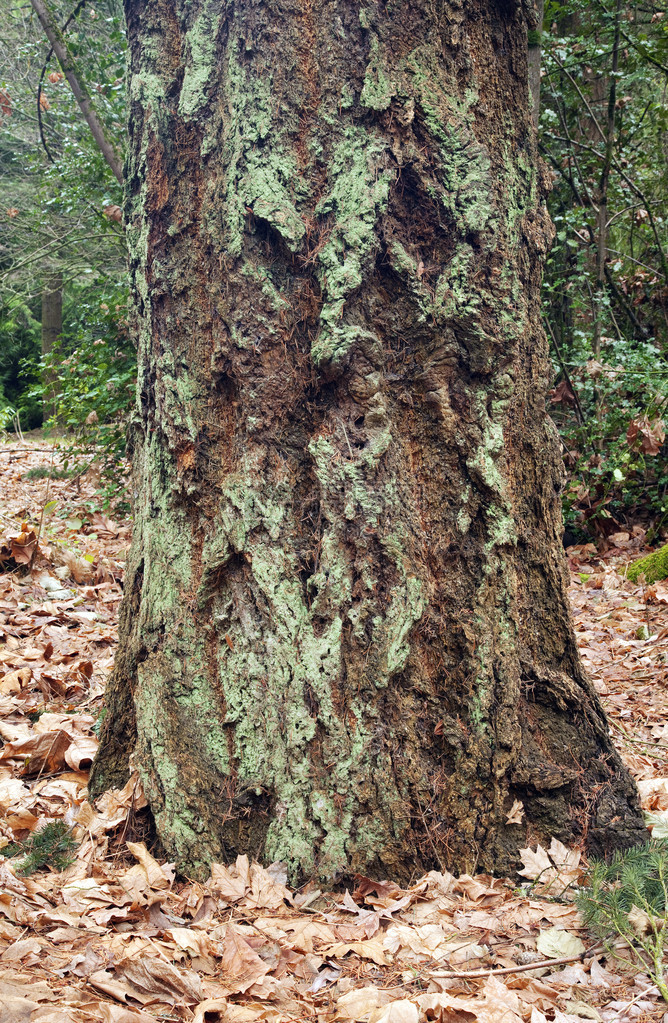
(149, 980)
(556, 868)
(537, 864)
(241, 966)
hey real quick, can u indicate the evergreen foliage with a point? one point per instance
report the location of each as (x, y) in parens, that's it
(627, 899)
(51, 847)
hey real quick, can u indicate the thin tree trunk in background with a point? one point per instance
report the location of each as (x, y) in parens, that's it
(602, 218)
(535, 51)
(52, 328)
(76, 83)
(345, 638)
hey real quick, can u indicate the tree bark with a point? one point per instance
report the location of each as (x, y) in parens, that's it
(535, 53)
(345, 639)
(602, 218)
(52, 328)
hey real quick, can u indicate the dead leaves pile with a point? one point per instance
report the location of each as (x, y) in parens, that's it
(116, 938)
(622, 632)
(113, 942)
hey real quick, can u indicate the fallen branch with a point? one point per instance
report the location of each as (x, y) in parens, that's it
(504, 970)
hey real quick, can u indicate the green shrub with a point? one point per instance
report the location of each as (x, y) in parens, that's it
(95, 368)
(19, 355)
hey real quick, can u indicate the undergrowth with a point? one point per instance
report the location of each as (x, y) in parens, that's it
(626, 899)
(51, 847)
(42, 472)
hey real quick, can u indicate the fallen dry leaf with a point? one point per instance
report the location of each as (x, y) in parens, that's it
(240, 965)
(557, 944)
(516, 813)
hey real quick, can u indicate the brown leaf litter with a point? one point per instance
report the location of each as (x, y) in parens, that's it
(117, 938)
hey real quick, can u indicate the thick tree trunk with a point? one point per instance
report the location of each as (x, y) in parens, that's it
(346, 641)
(52, 328)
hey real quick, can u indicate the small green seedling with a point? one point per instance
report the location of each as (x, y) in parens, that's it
(627, 898)
(51, 847)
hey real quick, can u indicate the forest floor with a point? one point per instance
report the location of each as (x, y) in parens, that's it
(116, 938)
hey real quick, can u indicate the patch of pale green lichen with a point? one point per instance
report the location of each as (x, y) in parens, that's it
(378, 90)
(464, 190)
(357, 198)
(200, 60)
(465, 165)
(260, 179)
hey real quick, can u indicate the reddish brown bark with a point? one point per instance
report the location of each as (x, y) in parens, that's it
(346, 640)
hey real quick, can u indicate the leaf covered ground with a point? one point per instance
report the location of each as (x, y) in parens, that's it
(116, 937)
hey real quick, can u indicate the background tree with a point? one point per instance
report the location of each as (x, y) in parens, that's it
(345, 640)
(52, 328)
(603, 130)
(57, 187)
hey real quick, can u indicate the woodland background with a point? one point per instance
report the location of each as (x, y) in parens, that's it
(603, 133)
(117, 939)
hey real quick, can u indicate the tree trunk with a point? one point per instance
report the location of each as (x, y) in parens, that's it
(604, 183)
(345, 640)
(535, 51)
(52, 328)
(79, 91)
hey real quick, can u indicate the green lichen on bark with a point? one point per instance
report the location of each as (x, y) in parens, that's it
(356, 200)
(200, 60)
(378, 90)
(260, 179)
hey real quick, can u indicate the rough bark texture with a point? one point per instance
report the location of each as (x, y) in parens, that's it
(346, 641)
